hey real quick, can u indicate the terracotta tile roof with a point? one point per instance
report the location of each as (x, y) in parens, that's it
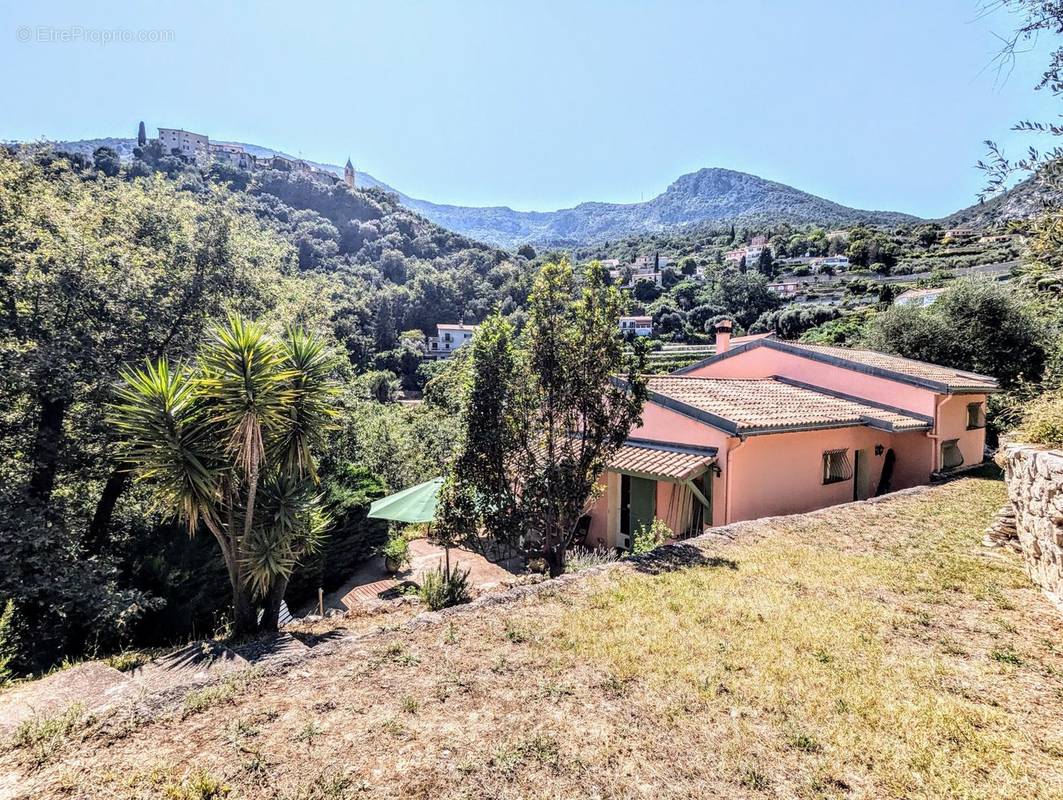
(661, 461)
(953, 379)
(770, 404)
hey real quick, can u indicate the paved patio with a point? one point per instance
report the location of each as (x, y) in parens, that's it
(372, 582)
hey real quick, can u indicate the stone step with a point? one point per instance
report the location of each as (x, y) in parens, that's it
(94, 686)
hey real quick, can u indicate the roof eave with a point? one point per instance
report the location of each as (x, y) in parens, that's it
(867, 422)
(673, 447)
(707, 417)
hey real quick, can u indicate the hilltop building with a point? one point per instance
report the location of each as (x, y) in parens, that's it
(193, 146)
(198, 148)
(234, 154)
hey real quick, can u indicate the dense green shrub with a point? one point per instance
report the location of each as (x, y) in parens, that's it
(349, 489)
(440, 591)
(396, 549)
(974, 325)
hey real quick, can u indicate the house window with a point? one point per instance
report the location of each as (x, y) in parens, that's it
(836, 466)
(951, 457)
(975, 416)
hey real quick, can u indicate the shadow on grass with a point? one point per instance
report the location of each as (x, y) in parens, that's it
(314, 639)
(988, 471)
(192, 657)
(679, 556)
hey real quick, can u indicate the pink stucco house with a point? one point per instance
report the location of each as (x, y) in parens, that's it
(769, 427)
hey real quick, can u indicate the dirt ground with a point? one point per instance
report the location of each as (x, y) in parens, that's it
(372, 577)
(875, 651)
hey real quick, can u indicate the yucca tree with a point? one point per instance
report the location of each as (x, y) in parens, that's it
(227, 444)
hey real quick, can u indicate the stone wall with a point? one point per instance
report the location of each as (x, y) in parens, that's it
(1035, 487)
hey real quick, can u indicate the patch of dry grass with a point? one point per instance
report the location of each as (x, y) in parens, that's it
(826, 663)
(878, 651)
(42, 738)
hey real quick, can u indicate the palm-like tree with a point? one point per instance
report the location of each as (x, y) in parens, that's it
(227, 444)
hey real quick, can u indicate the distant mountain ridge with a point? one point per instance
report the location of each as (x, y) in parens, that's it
(710, 195)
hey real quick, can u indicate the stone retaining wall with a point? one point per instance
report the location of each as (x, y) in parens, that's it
(1034, 477)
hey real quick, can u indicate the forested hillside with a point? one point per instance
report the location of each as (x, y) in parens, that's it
(1026, 199)
(104, 264)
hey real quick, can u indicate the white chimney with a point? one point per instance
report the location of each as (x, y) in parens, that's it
(723, 336)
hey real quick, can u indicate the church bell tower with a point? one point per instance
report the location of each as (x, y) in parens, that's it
(348, 174)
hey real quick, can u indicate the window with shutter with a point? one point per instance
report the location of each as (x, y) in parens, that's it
(836, 466)
(975, 416)
(951, 457)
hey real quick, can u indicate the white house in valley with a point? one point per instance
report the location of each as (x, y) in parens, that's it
(918, 297)
(786, 289)
(450, 336)
(639, 326)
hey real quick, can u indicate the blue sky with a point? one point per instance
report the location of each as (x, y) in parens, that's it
(540, 105)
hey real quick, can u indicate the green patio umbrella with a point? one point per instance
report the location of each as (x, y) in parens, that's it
(415, 504)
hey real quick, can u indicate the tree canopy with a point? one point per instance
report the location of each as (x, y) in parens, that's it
(541, 418)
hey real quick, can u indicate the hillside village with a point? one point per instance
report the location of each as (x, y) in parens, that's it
(312, 489)
(198, 148)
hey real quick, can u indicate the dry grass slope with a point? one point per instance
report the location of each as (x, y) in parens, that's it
(876, 652)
